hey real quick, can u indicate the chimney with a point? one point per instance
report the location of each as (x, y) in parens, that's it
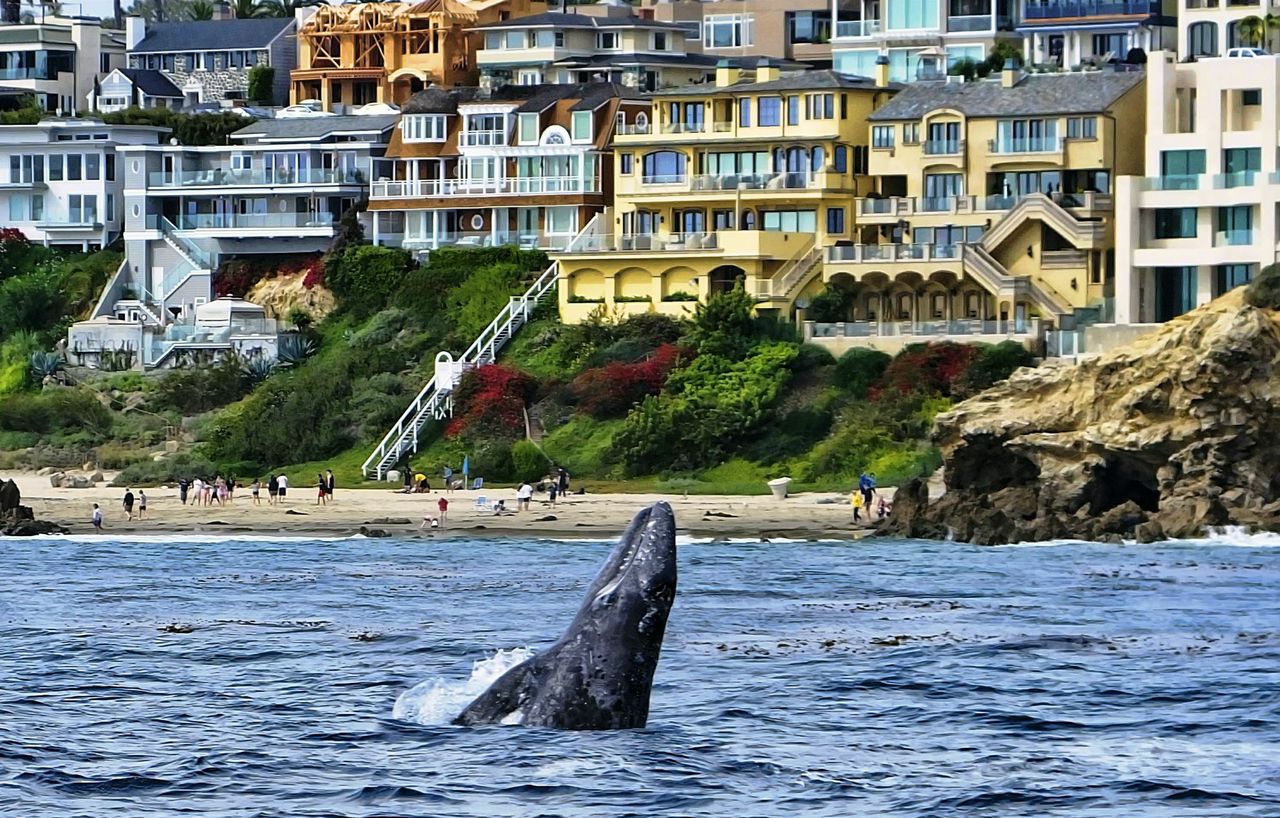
(222, 11)
(727, 74)
(1011, 74)
(135, 31)
(766, 71)
(882, 71)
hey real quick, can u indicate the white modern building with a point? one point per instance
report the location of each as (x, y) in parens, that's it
(63, 185)
(1204, 218)
(1207, 28)
(56, 59)
(1070, 33)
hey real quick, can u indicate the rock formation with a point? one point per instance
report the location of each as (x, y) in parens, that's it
(1175, 433)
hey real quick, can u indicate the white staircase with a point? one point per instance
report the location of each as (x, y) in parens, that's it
(1083, 234)
(980, 264)
(797, 272)
(435, 401)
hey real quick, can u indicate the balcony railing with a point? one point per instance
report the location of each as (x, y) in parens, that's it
(514, 186)
(460, 238)
(937, 204)
(1196, 5)
(1037, 144)
(69, 221)
(631, 242)
(634, 129)
(857, 28)
(227, 177)
(1240, 178)
(893, 252)
(27, 74)
(664, 179)
(1172, 182)
(934, 328)
(482, 138)
(227, 221)
(1233, 238)
(969, 22)
(799, 180)
(1088, 8)
(943, 147)
(895, 207)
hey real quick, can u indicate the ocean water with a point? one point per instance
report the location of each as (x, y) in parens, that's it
(300, 677)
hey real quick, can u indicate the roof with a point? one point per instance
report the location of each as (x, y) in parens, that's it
(557, 19)
(589, 96)
(151, 82)
(317, 127)
(1067, 93)
(803, 81)
(212, 35)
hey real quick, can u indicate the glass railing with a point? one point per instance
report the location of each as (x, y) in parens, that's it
(27, 74)
(753, 181)
(1240, 178)
(969, 22)
(55, 220)
(936, 204)
(857, 28)
(644, 242)
(1234, 238)
(943, 147)
(1000, 201)
(228, 221)
(877, 206)
(531, 185)
(664, 179)
(1088, 8)
(1173, 182)
(1037, 144)
(481, 138)
(226, 177)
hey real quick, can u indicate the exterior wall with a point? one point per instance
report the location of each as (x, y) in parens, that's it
(1199, 107)
(80, 38)
(1221, 18)
(284, 58)
(769, 27)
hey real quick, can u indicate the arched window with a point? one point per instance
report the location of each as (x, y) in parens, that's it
(664, 168)
(904, 306)
(797, 160)
(1235, 38)
(748, 219)
(1202, 39)
(842, 159)
(819, 158)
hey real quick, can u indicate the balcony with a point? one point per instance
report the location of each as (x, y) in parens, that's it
(252, 221)
(944, 147)
(764, 182)
(857, 28)
(479, 139)
(1197, 5)
(1074, 9)
(1239, 237)
(643, 242)
(858, 253)
(82, 220)
(27, 74)
(460, 238)
(517, 186)
(1241, 178)
(1172, 182)
(227, 177)
(969, 22)
(1041, 144)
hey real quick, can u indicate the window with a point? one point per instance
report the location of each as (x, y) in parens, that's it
(1251, 96)
(111, 167)
(770, 112)
(1175, 223)
(1241, 165)
(722, 219)
(82, 209)
(835, 220)
(92, 166)
(663, 168)
(1026, 136)
(608, 41)
(548, 39)
(562, 220)
(790, 221)
(37, 207)
(841, 159)
(913, 14)
(728, 30)
(660, 41)
(493, 40)
(1180, 170)
(1229, 276)
(1202, 40)
(625, 163)
(19, 208)
(744, 112)
(882, 136)
(1235, 225)
(422, 128)
(1085, 127)
(581, 126)
(820, 106)
(73, 167)
(241, 161)
(793, 110)
(911, 133)
(809, 27)
(55, 167)
(940, 190)
(111, 207)
(528, 130)
(1104, 44)
(26, 169)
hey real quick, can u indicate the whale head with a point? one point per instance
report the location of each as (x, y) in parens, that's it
(599, 674)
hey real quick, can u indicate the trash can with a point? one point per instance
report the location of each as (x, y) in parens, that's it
(779, 487)
(394, 476)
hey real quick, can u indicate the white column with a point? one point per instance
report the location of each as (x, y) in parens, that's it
(1204, 285)
(376, 224)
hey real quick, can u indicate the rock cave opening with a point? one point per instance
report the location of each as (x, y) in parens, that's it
(986, 466)
(1121, 479)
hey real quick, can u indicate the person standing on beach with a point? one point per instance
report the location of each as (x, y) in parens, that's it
(273, 489)
(448, 478)
(329, 485)
(128, 504)
(322, 490)
(443, 505)
(142, 504)
(856, 500)
(523, 495)
(284, 487)
(564, 481)
(552, 490)
(97, 518)
(183, 485)
(866, 485)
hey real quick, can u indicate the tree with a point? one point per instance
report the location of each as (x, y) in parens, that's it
(201, 10)
(246, 9)
(1252, 30)
(723, 325)
(261, 80)
(285, 8)
(1001, 53)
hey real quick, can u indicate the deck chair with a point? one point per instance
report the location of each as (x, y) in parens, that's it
(482, 502)
(477, 484)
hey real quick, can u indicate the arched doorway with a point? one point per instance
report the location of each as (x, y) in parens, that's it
(725, 277)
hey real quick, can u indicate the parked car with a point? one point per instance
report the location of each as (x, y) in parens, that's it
(1248, 52)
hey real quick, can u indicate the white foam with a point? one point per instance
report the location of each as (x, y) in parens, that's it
(438, 701)
(210, 537)
(1232, 535)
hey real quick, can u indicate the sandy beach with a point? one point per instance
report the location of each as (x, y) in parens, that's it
(812, 515)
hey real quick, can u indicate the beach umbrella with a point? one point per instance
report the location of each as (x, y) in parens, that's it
(466, 466)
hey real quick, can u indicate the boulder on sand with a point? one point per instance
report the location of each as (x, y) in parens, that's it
(1166, 437)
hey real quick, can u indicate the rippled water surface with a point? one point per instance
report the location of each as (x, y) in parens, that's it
(883, 678)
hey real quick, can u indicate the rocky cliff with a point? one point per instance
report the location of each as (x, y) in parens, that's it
(1174, 433)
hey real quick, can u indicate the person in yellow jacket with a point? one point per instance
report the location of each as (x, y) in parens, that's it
(857, 501)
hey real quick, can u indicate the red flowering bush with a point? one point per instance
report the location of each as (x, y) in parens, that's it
(490, 401)
(613, 389)
(927, 368)
(237, 276)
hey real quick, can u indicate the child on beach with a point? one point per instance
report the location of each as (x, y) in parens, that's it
(97, 518)
(142, 504)
(443, 505)
(857, 501)
(256, 489)
(322, 490)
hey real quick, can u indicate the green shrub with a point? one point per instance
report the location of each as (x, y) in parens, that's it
(847, 452)
(55, 409)
(32, 301)
(491, 459)
(261, 79)
(1264, 291)
(170, 470)
(812, 356)
(992, 365)
(832, 305)
(474, 303)
(528, 463)
(366, 278)
(859, 369)
(188, 129)
(201, 388)
(723, 326)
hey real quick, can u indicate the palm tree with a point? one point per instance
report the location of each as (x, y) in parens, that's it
(201, 10)
(1271, 23)
(1251, 30)
(285, 8)
(244, 9)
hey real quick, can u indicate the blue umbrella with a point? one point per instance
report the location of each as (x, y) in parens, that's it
(466, 466)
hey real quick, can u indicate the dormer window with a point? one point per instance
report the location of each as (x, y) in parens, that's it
(581, 126)
(423, 128)
(608, 41)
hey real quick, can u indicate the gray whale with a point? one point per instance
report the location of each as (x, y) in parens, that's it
(599, 674)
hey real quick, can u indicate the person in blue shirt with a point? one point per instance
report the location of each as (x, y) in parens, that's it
(867, 485)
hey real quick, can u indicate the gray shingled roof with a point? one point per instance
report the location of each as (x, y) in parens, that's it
(151, 83)
(317, 127)
(555, 19)
(803, 81)
(1035, 94)
(212, 35)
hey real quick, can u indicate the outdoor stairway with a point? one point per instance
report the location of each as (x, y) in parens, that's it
(979, 264)
(797, 272)
(435, 401)
(1085, 235)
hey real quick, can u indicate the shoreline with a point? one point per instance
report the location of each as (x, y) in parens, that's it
(816, 515)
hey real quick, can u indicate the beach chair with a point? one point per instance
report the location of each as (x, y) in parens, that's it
(477, 484)
(482, 502)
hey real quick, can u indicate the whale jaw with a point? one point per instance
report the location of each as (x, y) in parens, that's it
(599, 674)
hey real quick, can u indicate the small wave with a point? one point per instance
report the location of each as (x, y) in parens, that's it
(437, 701)
(210, 538)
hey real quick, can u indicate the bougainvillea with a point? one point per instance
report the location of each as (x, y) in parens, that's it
(237, 276)
(490, 401)
(612, 390)
(928, 368)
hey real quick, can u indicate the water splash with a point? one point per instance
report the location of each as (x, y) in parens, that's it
(438, 701)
